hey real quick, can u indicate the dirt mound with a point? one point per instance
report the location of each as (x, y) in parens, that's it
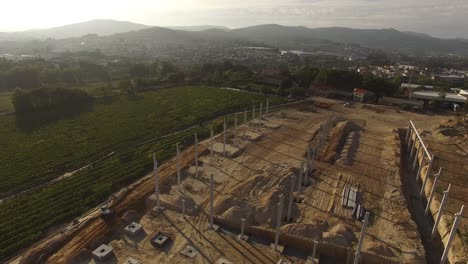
(258, 198)
(228, 202)
(234, 214)
(82, 257)
(302, 230)
(130, 216)
(453, 128)
(190, 204)
(379, 248)
(339, 235)
(337, 140)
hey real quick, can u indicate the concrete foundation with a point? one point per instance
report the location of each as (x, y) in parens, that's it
(132, 261)
(133, 228)
(103, 252)
(189, 251)
(160, 240)
(223, 261)
(231, 151)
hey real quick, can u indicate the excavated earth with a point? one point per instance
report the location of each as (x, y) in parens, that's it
(362, 151)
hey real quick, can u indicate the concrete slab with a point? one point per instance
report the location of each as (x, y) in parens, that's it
(231, 151)
(253, 136)
(271, 125)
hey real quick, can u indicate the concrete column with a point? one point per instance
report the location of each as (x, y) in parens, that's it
(267, 106)
(196, 155)
(313, 150)
(421, 192)
(183, 208)
(410, 138)
(253, 115)
(322, 138)
(309, 157)
(299, 180)
(242, 227)
(211, 200)
(224, 138)
(314, 251)
(178, 165)
(413, 145)
(416, 158)
(453, 231)
(211, 141)
(291, 197)
(434, 185)
(419, 170)
(317, 149)
(441, 211)
(261, 106)
(429, 166)
(407, 133)
(235, 126)
(156, 179)
(245, 116)
(245, 122)
(357, 255)
(278, 221)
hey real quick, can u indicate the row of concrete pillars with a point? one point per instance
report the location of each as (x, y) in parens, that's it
(318, 143)
(418, 157)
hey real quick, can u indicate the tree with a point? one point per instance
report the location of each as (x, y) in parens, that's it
(380, 86)
(378, 59)
(304, 75)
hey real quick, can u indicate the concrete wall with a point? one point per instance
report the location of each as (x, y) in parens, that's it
(457, 253)
(343, 254)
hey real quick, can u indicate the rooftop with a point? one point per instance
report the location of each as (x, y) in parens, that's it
(429, 95)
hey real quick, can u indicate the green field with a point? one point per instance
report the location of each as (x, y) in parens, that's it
(122, 124)
(5, 102)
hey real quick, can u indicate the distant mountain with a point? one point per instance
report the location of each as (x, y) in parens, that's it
(101, 27)
(157, 39)
(197, 28)
(385, 39)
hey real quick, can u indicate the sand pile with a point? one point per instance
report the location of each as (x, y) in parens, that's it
(309, 231)
(256, 200)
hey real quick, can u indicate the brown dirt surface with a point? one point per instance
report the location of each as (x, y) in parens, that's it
(248, 186)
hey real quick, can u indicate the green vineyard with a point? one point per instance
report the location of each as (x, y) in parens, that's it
(129, 127)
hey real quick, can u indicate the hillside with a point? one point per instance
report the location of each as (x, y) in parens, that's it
(197, 28)
(385, 39)
(101, 27)
(129, 40)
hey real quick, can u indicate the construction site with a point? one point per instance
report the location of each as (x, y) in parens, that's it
(313, 182)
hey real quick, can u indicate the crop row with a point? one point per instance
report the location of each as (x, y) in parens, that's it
(26, 217)
(28, 159)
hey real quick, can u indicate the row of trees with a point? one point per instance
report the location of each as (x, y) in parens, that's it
(44, 99)
(38, 73)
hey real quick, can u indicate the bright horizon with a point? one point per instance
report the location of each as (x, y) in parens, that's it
(440, 19)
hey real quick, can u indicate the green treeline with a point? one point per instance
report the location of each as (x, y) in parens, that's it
(43, 99)
(39, 73)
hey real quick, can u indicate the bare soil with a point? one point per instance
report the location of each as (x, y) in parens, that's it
(248, 185)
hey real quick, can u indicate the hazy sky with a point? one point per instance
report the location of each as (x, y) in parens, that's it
(442, 18)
